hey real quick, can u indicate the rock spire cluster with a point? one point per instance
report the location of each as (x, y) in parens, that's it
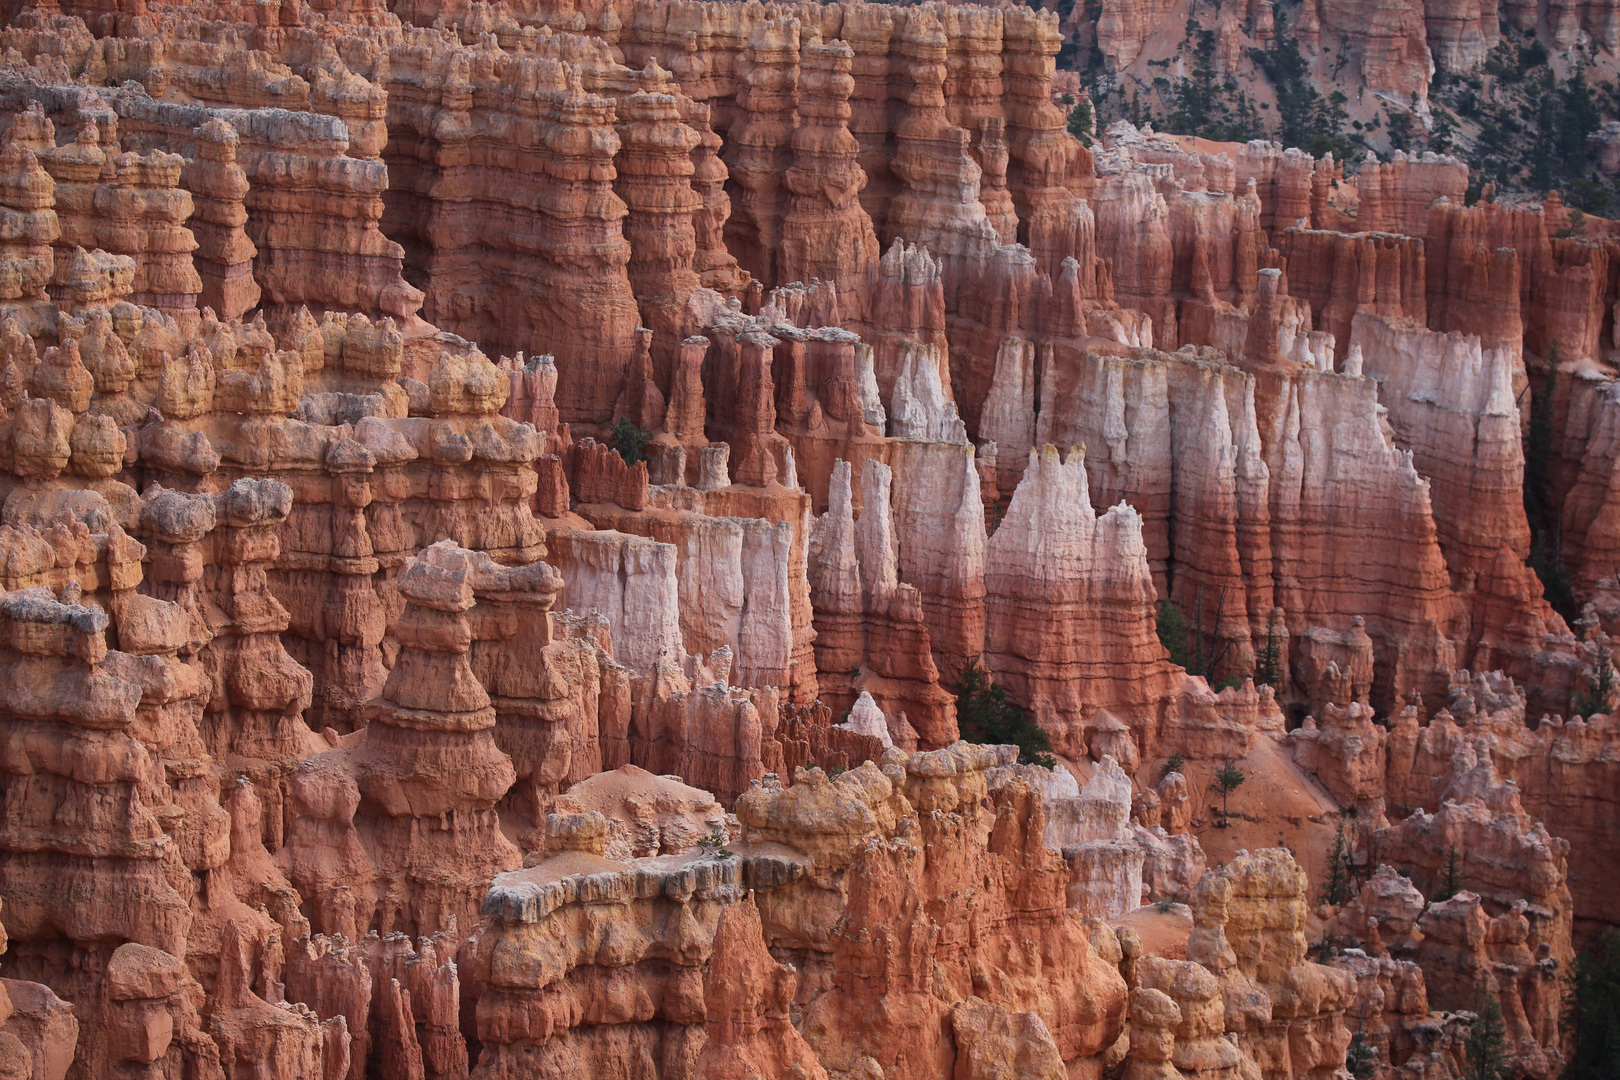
(713, 540)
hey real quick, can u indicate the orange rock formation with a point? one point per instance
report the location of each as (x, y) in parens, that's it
(489, 541)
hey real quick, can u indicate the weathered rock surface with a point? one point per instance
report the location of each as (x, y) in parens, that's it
(409, 805)
(378, 688)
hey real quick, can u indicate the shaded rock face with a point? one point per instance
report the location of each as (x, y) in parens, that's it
(1500, 911)
(1354, 47)
(500, 507)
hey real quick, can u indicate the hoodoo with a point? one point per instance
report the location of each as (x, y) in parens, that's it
(854, 541)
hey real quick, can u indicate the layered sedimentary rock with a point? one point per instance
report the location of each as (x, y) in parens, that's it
(725, 1020)
(1447, 398)
(1506, 929)
(1460, 35)
(1240, 999)
(38, 1031)
(825, 232)
(1123, 28)
(1176, 1024)
(707, 1000)
(410, 804)
(1553, 769)
(934, 166)
(1247, 482)
(646, 814)
(1343, 276)
(1091, 828)
(762, 145)
(1446, 776)
(655, 181)
(564, 684)
(1400, 1028)
(1346, 752)
(870, 623)
(224, 256)
(1249, 932)
(556, 202)
(1508, 926)
(1513, 954)
(1400, 196)
(81, 883)
(136, 877)
(868, 885)
(314, 228)
(1057, 574)
(126, 204)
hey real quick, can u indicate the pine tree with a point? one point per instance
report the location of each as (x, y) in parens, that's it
(1605, 676)
(1596, 697)
(1450, 878)
(1228, 778)
(1267, 671)
(1538, 444)
(629, 439)
(1592, 1010)
(985, 715)
(1336, 890)
(1172, 627)
(1361, 1059)
(1486, 1047)
(1080, 122)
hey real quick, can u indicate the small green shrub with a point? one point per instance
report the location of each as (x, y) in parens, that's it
(984, 715)
(1172, 627)
(715, 844)
(628, 439)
